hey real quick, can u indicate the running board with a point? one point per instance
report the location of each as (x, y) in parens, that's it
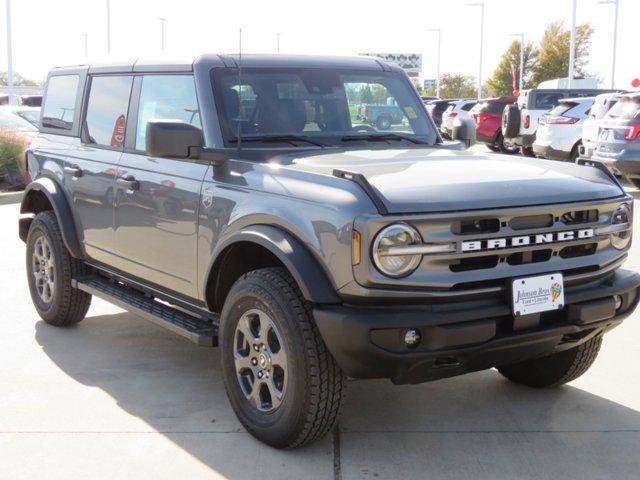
(199, 330)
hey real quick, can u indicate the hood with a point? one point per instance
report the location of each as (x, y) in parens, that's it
(435, 180)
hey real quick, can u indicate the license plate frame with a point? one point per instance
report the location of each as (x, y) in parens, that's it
(536, 294)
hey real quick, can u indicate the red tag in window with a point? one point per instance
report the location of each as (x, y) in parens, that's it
(117, 138)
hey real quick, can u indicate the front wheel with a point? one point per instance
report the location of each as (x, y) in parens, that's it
(635, 181)
(283, 384)
(556, 369)
(50, 269)
(383, 123)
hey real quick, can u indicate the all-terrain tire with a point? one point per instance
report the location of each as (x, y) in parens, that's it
(314, 390)
(556, 369)
(510, 121)
(67, 305)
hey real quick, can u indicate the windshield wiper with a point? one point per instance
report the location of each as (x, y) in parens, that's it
(277, 139)
(383, 137)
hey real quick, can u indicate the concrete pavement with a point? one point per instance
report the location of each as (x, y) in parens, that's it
(117, 397)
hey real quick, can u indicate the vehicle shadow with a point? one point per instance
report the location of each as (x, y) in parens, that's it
(386, 431)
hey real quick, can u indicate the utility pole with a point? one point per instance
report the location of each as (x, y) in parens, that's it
(521, 35)
(86, 45)
(162, 20)
(438, 60)
(481, 5)
(278, 42)
(615, 38)
(572, 46)
(108, 26)
(9, 55)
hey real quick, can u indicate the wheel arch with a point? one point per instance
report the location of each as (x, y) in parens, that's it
(46, 194)
(260, 246)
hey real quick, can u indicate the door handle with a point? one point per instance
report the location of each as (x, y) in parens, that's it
(128, 183)
(74, 170)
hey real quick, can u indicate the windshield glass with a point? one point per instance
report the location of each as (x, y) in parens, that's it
(12, 122)
(326, 106)
(627, 108)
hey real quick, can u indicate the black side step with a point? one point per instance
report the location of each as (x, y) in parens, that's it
(199, 330)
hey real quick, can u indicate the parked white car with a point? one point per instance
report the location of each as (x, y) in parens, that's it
(559, 131)
(591, 125)
(458, 108)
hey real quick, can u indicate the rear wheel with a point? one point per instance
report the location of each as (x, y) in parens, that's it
(556, 369)
(283, 384)
(50, 269)
(635, 181)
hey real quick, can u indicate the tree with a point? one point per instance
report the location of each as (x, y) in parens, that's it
(18, 80)
(500, 83)
(454, 86)
(553, 56)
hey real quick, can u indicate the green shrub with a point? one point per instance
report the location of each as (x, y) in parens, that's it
(12, 147)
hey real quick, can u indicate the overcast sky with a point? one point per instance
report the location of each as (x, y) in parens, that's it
(48, 33)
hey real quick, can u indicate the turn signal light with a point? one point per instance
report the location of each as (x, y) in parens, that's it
(356, 247)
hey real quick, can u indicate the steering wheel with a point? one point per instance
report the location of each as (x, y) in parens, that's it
(363, 128)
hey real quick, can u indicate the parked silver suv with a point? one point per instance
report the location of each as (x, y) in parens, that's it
(245, 206)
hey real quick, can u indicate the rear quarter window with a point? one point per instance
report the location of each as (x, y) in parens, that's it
(58, 111)
(546, 101)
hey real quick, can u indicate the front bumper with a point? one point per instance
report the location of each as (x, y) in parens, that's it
(461, 337)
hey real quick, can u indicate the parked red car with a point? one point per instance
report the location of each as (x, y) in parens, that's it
(488, 117)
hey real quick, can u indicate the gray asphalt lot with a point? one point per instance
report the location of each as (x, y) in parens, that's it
(117, 397)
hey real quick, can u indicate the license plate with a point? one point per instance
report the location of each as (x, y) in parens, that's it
(604, 135)
(537, 294)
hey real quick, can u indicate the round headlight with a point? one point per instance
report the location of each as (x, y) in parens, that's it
(621, 215)
(397, 235)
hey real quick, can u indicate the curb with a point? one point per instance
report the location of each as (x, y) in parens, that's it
(10, 197)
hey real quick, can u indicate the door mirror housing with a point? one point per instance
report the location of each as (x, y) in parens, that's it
(464, 130)
(173, 139)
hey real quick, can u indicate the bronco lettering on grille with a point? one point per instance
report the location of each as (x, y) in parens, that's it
(526, 240)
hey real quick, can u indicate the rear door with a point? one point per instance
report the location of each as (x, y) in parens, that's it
(90, 176)
(157, 198)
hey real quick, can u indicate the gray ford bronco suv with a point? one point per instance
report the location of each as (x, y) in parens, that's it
(240, 203)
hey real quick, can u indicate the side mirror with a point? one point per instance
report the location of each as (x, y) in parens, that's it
(464, 130)
(172, 138)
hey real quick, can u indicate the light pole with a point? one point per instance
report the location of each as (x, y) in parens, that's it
(278, 42)
(572, 46)
(108, 26)
(438, 60)
(162, 20)
(86, 45)
(9, 56)
(481, 5)
(521, 35)
(615, 37)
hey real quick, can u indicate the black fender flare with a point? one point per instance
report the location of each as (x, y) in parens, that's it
(54, 193)
(303, 266)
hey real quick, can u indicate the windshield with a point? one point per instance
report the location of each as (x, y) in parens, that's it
(12, 122)
(627, 108)
(321, 107)
(31, 116)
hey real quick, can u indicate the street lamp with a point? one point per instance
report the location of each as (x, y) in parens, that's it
(162, 20)
(86, 45)
(521, 35)
(572, 45)
(481, 5)
(278, 42)
(438, 64)
(615, 37)
(108, 26)
(9, 56)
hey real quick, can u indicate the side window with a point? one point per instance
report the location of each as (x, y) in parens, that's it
(546, 101)
(60, 102)
(166, 96)
(468, 106)
(107, 110)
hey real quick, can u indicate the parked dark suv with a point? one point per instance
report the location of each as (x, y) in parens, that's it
(244, 206)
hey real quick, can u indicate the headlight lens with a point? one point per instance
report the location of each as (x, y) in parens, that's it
(397, 235)
(621, 215)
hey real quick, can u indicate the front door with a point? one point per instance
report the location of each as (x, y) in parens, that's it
(157, 199)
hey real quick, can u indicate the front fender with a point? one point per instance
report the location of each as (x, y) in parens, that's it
(54, 194)
(305, 269)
